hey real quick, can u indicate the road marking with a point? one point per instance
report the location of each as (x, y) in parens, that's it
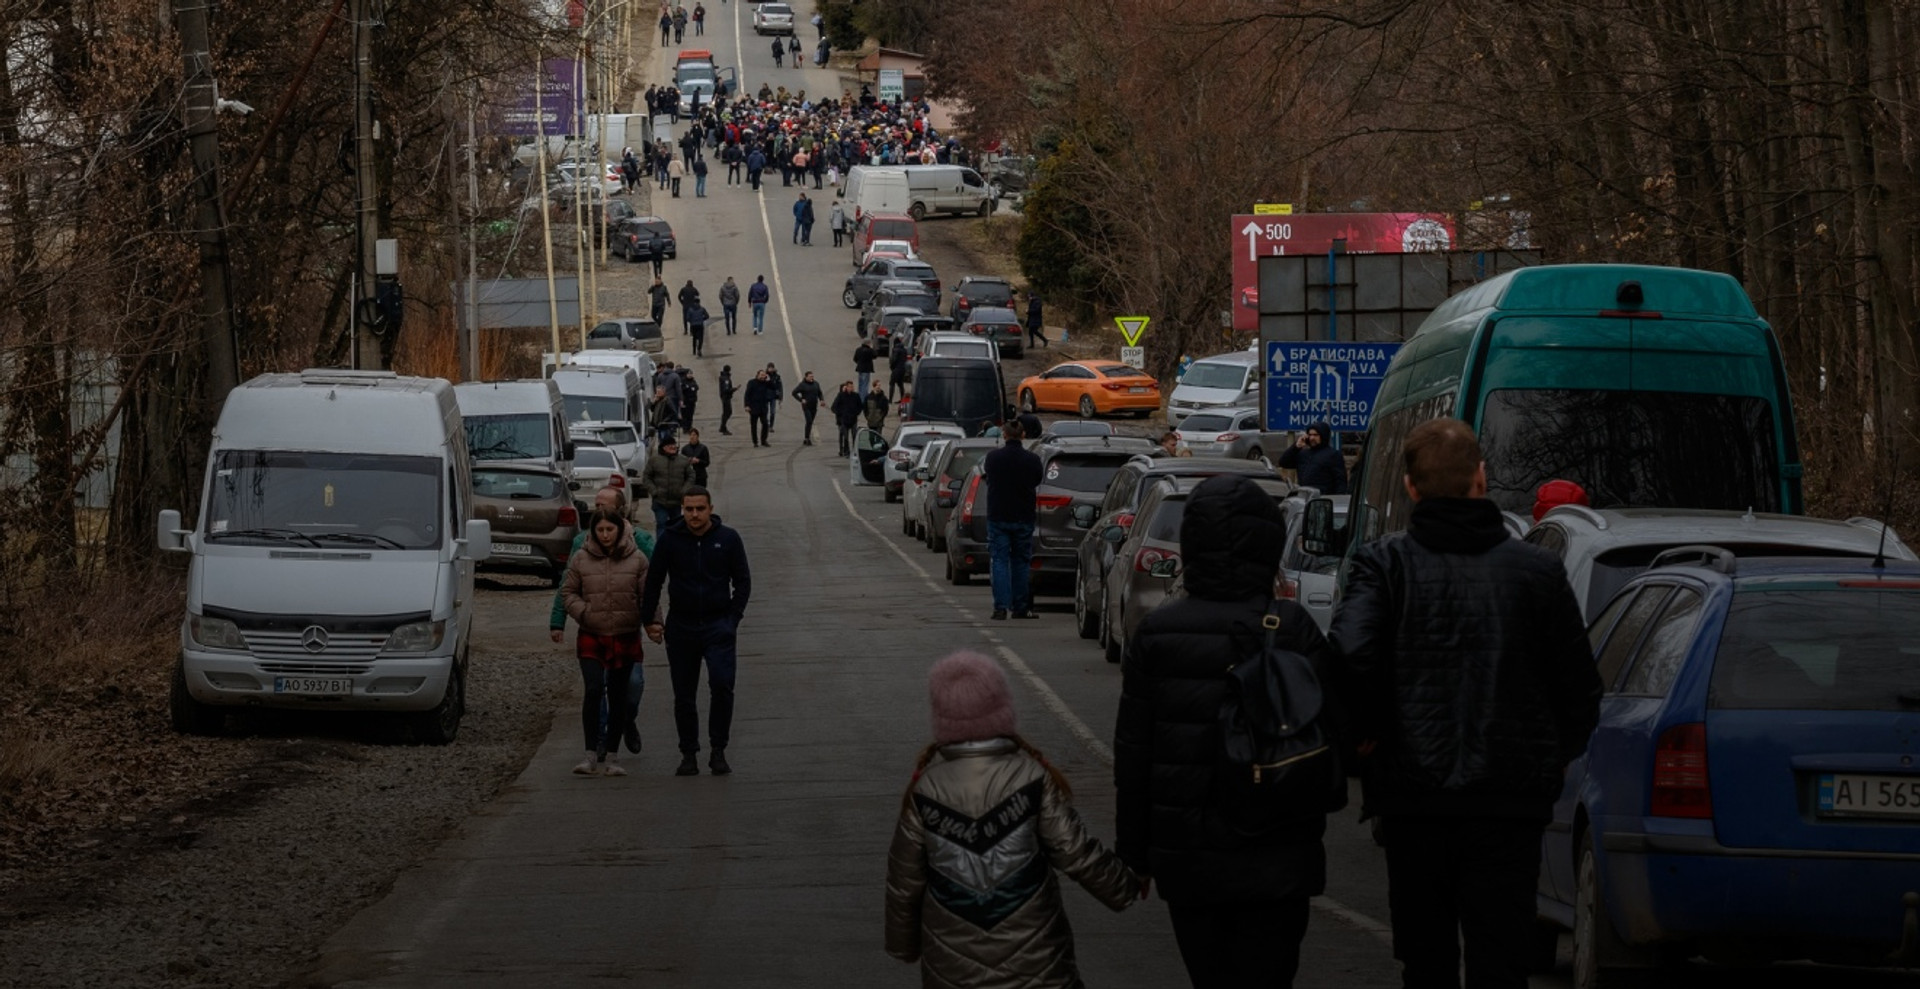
(1058, 707)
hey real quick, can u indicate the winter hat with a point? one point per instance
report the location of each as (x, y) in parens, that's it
(1555, 493)
(970, 699)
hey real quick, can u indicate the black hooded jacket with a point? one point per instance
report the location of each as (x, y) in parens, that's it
(1167, 744)
(1463, 654)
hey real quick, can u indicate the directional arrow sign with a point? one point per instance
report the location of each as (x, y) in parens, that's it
(1131, 327)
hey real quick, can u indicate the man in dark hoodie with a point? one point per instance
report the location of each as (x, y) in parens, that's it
(702, 565)
(1238, 900)
(1315, 462)
(846, 415)
(1465, 664)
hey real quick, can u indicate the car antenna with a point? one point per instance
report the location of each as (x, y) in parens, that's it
(1880, 553)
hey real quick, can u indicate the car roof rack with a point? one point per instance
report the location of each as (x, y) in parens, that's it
(1719, 558)
(1592, 516)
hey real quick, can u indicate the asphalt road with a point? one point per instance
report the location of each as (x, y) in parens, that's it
(773, 876)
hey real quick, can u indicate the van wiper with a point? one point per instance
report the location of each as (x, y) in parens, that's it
(363, 538)
(501, 451)
(283, 535)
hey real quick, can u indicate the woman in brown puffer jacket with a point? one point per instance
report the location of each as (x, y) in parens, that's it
(971, 891)
(605, 581)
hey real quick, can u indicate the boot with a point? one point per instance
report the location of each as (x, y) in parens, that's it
(590, 766)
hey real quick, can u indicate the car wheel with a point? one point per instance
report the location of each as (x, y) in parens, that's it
(891, 495)
(1600, 957)
(955, 575)
(189, 716)
(1026, 401)
(1113, 644)
(986, 206)
(1084, 620)
(848, 299)
(1254, 454)
(918, 211)
(1087, 410)
(440, 725)
(937, 542)
(906, 525)
(556, 575)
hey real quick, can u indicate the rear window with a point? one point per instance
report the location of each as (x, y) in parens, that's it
(1121, 371)
(949, 393)
(1164, 527)
(1201, 374)
(891, 230)
(962, 461)
(1204, 423)
(617, 436)
(990, 293)
(1833, 649)
(918, 272)
(515, 485)
(594, 456)
(1084, 471)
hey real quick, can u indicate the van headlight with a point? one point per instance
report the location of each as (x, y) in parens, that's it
(215, 633)
(414, 638)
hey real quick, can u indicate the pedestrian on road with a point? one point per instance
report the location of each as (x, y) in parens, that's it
(846, 415)
(657, 253)
(688, 296)
(897, 369)
(863, 357)
(837, 221)
(614, 500)
(734, 159)
(756, 163)
(726, 398)
(603, 588)
(819, 24)
(757, 296)
(1012, 475)
(702, 565)
(808, 394)
(697, 325)
(666, 27)
(1472, 687)
(757, 402)
(675, 172)
(699, 172)
(876, 408)
(699, 20)
(730, 305)
(689, 393)
(776, 393)
(1036, 324)
(1235, 871)
(793, 50)
(667, 477)
(679, 25)
(662, 414)
(806, 221)
(1317, 464)
(985, 804)
(698, 456)
(779, 51)
(800, 207)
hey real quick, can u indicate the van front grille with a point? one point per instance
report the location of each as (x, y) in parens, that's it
(340, 647)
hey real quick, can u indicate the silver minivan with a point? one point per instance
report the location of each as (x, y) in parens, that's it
(1219, 382)
(332, 561)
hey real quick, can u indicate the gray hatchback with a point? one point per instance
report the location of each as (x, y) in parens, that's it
(1074, 471)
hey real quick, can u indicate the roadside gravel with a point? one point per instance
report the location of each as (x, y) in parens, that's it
(267, 842)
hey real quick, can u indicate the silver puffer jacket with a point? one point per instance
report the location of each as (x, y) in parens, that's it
(971, 892)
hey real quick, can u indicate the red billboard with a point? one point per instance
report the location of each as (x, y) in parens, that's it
(1255, 237)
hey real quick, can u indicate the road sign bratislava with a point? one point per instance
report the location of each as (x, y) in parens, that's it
(1335, 382)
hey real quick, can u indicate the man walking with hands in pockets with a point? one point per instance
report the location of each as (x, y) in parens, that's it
(702, 565)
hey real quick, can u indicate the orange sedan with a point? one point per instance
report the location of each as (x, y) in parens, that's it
(1091, 388)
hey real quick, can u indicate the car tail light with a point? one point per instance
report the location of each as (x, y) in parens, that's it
(569, 517)
(1124, 520)
(1113, 385)
(1054, 501)
(1680, 785)
(899, 456)
(966, 504)
(616, 481)
(1144, 560)
(1226, 437)
(1288, 588)
(936, 286)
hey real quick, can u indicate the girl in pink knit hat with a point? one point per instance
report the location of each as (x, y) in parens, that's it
(971, 888)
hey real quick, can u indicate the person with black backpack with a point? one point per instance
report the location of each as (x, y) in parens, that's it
(1227, 750)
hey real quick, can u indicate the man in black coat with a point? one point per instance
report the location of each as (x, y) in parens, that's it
(846, 410)
(688, 296)
(807, 393)
(759, 399)
(1315, 462)
(726, 398)
(863, 356)
(1465, 663)
(1012, 476)
(1238, 901)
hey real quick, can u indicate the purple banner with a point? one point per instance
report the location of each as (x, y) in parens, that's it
(555, 110)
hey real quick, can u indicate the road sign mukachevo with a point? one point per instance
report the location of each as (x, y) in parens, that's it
(1131, 327)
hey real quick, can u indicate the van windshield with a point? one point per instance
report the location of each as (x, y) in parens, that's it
(274, 497)
(516, 437)
(1203, 375)
(965, 398)
(589, 408)
(1671, 449)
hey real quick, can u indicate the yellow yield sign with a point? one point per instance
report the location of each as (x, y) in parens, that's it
(1131, 327)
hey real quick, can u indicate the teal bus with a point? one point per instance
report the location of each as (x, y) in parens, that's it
(1647, 386)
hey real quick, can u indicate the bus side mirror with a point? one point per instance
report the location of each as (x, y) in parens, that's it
(1319, 535)
(172, 538)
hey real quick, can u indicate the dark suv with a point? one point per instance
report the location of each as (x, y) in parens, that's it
(898, 293)
(1124, 493)
(980, 290)
(631, 237)
(1074, 471)
(862, 283)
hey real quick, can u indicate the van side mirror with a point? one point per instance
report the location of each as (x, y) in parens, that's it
(479, 542)
(1083, 516)
(172, 538)
(1319, 535)
(566, 450)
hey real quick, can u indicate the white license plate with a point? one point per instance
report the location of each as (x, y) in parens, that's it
(313, 686)
(512, 549)
(1136, 390)
(1847, 795)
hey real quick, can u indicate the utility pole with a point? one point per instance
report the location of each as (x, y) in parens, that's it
(209, 211)
(367, 354)
(471, 369)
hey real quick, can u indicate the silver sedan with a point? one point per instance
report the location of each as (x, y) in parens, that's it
(1235, 433)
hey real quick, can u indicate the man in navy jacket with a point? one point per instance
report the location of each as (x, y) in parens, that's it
(702, 565)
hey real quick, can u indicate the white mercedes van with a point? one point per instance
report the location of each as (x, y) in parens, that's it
(333, 555)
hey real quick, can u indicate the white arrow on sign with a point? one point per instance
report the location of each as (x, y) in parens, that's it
(1252, 230)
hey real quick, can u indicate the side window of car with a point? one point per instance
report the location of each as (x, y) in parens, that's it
(1075, 372)
(1665, 648)
(1549, 537)
(605, 331)
(1626, 632)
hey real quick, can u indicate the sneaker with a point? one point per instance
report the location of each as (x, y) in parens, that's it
(1026, 614)
(590, 766)
(719, 763)
(999, 615)
(612, 766)
(632, 736)
(689, 766)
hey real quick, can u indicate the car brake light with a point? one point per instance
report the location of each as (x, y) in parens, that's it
(1113, 385)
(1124, 520)
(569, 517)
(966, 504)
(899, 456)
(1144, 560)
(1289, 589)
(1226, 437)
(1680, 784)
(616, 481)
(1054, 501)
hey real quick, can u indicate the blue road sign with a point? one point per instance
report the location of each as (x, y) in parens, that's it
(1336, 382)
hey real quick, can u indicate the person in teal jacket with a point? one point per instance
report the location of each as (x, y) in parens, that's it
(615, 499)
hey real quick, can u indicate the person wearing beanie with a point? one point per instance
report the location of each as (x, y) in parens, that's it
(972, 894)
(1238, 901)
(1315, 462)
(1555, 493)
